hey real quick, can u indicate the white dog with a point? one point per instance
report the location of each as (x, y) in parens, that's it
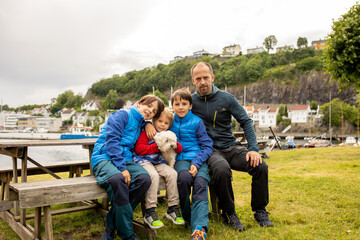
(166, 141)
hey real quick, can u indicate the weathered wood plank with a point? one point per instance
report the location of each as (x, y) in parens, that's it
(36, 194)
(17, 227)
(89, 141)
(6, 205)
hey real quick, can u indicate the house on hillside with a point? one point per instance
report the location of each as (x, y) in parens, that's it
(40, 111)
(80, 118)
(177, 58)
(249, 110)
(319, 44)
(200, 54)
(67, 113)
(129, 104)
(255, 50)
(284, 48)
(299, 113)
(234, 49)
(90, 106)
(265, 116)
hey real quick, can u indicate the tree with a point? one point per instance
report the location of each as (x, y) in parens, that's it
(269, 42)
(313, 105)
(342, 55)
(302, 42)
(119, 103)
(110, 99)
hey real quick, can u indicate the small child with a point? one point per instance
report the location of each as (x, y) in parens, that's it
(149, 157)
(191, 163)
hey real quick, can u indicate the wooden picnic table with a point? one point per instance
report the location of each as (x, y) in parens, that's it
(19, 150)
(240, 136)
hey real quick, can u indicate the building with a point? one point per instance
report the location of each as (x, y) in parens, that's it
(232, 49)
(200, 54)
(299, 113)
(67, 113)
(40, 111)
(80, 118)
(265, 116)
(90, 106)
(48, 124)
(319, 44)
(26, 122)
(129, 104)
(177, 58)
(285, 48)
(255, 50)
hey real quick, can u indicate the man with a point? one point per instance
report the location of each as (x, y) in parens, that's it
(216, 108)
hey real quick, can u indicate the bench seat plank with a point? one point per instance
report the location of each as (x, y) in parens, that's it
(44, 193)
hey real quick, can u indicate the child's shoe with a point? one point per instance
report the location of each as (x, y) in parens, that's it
(198, 234)
(153, 220)
(175, 216)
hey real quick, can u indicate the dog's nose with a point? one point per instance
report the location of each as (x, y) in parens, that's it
(172, 145)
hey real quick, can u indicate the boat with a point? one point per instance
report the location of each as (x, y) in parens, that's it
(290, 142)
(350, 141)
(315, 142)
(78, 133)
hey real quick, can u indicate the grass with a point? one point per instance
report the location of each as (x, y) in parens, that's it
(314, 194)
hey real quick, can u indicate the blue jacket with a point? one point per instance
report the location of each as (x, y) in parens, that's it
(118, 137)
(216, 110)
(191, 134)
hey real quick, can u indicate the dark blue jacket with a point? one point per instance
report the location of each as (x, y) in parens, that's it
(118, 137)
(191, 134)
(216, 110)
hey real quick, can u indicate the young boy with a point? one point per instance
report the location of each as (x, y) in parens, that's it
(125, 181)
(191, 163)
(149, 157)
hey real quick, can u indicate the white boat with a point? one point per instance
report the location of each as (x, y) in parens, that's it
(351, 141)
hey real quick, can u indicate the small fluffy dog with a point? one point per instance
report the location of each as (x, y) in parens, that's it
(166, 141)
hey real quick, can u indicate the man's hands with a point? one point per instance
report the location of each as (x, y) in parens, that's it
(127, 176)
(193, 170)
(150, 131)
(254, 157)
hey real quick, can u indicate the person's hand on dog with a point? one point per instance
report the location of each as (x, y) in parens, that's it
(193, 170)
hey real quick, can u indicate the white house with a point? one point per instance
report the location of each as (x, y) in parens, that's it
(265, 116)
(90, 106)
(41, 110)
(80, 118)
(201, 53)
(129, 104)
(66, 114)
(299, 113)
(232, 49)
(255, 50)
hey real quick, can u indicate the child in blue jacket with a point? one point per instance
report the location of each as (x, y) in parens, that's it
(125, 181)
(191, 163)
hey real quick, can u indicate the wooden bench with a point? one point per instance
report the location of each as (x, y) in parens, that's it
(43, 194)
(75, 168)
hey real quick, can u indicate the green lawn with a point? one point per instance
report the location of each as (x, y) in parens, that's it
(314, 194)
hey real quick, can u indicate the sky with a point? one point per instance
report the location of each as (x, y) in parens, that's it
(48, 47)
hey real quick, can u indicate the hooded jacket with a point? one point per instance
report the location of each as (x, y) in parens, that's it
(118, 137)
(216, 110)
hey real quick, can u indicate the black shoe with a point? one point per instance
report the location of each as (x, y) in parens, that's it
(234, 222)
(109, 234)
(262, 218)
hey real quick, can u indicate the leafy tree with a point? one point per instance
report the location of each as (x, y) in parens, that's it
(349, 112)
(302, 42)
(342, 59)
(313, 105)
(67, 99)
(309, 64)
(110, 99)
(119, 103)
(162, 97)
(270, 42)
(5, 107)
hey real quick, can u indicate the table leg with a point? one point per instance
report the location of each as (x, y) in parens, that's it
(37, 222)
(23, 179)
(15, 174)
(48, 223)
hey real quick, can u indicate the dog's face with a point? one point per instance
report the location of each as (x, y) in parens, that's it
(165, 140)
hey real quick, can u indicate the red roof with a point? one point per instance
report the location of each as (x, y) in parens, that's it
(299, 107)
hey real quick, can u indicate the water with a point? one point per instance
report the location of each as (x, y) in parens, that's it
(46, 154)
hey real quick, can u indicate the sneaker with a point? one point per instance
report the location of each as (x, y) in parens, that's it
(153, 221)
(198, 234)
(262, 218)
(234, 222)
(175, 216)
(109, 234)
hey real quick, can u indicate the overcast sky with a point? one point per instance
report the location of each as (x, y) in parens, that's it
(47, 47)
